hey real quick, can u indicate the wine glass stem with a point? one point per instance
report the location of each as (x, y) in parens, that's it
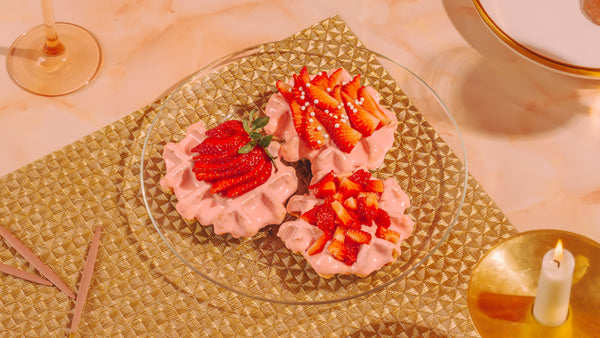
(53, 46)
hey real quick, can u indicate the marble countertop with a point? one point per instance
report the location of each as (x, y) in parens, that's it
(532, 135)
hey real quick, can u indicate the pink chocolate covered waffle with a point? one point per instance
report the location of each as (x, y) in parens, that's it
(226, 177)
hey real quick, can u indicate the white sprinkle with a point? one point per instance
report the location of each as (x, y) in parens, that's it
(340, 106)
(312, 113)
(316, 101)
(356, 101)
(307, 104)
(355, 110)
(349, 104)
(290, 90)
(326, 136)
(301, 89)
(328, 89)
(330, 114)
(307, 85)
(318, 141)
(319, 128)
(311, 120)
(337, 125)
(326, 111)
(303, 108)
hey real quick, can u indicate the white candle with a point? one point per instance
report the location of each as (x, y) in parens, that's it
(551, 305)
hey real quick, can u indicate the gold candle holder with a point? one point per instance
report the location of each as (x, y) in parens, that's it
(503, 285)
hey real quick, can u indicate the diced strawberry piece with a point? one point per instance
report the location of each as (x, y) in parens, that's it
(351, 88)
(343, 215)
(325, 186)
(318, 245)
(226, 129)
(350, 203)
(351, 251)
(349, 188)
(359, 236)
(374, 186)
(310, 216)
(368, 204)
(369, 103)
(342, 135)
(320, 80)
(325, 218)
(360, 118)
(337, 249)
(339, 233)
(360, 176)
(387, 234)
(382, 219)
(335, 78)
(320, 98)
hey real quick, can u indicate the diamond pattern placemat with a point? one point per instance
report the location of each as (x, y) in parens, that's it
(139, 287)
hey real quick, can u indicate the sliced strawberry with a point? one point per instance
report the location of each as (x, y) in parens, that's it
(335, 78)
(320, 80)
(325, 186)
(360, 118)
(303, 78)
(360, 176)
(325, 218)
(226, 129)
(343, 215)
(315, 132)
(342, 135)
(351, 88)
(359, 236)
(348, 188)
(337, 250)
(368, 204)
(289, 93)
(382, 219)
(298, 119)
(320, 98)
(318, 245)
(221, 147)
(243, 164)
(369, 103)
(387, 234)
(255, 175)
(263, 176)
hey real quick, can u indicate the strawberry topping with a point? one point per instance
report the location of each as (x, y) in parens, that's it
(348, 204)
(233, 157)
(323, 109)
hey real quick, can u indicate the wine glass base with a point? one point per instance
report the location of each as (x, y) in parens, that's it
(59, 75)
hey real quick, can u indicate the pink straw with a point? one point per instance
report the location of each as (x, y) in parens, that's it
(35, 261)
(84, 285)
(10, 270)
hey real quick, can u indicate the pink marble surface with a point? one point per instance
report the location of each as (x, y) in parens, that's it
(532, 135)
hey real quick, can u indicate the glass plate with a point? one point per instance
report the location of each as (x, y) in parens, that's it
(430, 169)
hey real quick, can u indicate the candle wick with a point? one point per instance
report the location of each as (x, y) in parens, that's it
(557, 263)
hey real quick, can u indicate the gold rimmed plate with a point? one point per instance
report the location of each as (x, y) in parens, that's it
(555, 34)
(427, 159)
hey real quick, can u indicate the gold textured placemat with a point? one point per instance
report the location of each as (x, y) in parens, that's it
(140, 288)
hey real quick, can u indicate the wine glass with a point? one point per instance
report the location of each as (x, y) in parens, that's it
(54, 59)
